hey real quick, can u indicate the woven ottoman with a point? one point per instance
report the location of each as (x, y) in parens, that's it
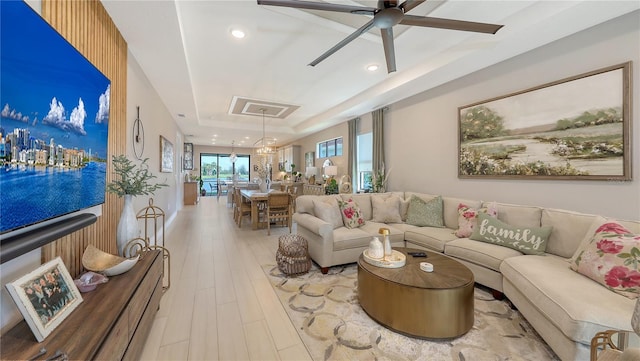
(293, 254)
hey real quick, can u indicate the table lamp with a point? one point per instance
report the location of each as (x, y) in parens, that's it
(331, 171)
(311, 173)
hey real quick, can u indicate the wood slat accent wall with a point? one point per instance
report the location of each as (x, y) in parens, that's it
(87, 25)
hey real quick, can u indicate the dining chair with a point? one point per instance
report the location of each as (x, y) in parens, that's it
(241, 208)
(279, 208)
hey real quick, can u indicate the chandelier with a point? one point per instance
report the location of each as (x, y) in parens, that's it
(265, 146)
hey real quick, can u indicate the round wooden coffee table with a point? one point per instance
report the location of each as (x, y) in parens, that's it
(410, 301)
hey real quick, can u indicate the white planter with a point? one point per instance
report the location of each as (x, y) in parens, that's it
(127, 226)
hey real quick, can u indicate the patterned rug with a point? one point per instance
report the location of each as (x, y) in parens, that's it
(333, 326)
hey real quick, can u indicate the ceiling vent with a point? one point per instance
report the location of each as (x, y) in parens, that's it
(246, 106)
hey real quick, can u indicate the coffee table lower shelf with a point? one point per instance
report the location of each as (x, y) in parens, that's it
(437, 305)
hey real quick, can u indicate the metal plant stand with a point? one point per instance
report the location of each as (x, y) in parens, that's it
(153, 218)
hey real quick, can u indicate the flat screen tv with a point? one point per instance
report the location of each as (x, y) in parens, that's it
(54, 123)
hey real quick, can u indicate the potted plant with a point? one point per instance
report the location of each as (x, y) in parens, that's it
(131, 180)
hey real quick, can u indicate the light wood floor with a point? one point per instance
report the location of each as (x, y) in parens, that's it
(221, 305)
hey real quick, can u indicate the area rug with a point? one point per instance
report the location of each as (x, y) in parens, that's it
(333, 326)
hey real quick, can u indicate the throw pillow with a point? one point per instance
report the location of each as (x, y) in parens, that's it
(528, 240)
(611, 259)
(386, 209)
(327, 210)
(423, 213)
(351, 214)
(468, 218)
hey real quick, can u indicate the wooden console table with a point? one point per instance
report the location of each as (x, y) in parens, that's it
(190, 193)
(112, 322)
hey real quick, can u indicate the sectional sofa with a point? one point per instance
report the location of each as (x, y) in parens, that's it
(566, 308)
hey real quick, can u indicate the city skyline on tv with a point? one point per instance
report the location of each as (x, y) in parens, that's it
(54, 119)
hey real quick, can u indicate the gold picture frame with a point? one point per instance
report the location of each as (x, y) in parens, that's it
(578, 128)
(45, 297)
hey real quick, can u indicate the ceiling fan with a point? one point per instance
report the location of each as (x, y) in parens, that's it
(385, 16)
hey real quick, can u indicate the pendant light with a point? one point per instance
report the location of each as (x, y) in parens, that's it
(233, 157)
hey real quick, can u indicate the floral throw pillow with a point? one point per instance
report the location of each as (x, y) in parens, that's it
(351, 213)
(468, 218)
(611, 259)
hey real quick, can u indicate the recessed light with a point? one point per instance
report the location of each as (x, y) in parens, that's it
(237, 33)
(372, 67)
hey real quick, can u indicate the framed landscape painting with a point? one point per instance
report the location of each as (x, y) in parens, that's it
(45, 297)
(575, 128)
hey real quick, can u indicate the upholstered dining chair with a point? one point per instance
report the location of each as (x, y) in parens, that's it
(279, 208)
(240, 208)
(603, 347)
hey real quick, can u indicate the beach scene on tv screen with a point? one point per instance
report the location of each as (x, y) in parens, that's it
(54, 119)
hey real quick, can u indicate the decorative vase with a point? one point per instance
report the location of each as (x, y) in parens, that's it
(127, 226)
(264, 185)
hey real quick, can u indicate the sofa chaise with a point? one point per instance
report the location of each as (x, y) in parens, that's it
(565, 307)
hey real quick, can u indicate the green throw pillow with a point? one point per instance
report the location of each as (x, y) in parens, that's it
(528, 240)
(423, 213)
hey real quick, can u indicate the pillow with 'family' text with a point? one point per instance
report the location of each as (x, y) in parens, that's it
(528, 240)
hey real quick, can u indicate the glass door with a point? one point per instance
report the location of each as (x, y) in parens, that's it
(217, 171)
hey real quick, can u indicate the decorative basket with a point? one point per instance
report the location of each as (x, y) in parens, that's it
(293, 254)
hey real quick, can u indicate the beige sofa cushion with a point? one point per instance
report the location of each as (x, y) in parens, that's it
(344, 238)
(304, 204)
(576, 305)
(569, 229)
(428, 237)
(386, 208)
(327, 209)
(479, 253)
(517, 215)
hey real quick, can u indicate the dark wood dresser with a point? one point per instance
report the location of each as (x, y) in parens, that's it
(112, 323)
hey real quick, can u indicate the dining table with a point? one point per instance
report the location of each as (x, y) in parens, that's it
(256, 196)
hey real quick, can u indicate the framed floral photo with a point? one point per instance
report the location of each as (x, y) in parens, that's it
(45, 297)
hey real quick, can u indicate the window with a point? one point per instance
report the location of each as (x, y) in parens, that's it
(364, 161)
(330, 148)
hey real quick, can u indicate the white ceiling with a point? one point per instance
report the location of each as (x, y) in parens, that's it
(197, 67)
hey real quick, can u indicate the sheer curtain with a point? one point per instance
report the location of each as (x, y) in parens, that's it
(378, 141)
(353, 149)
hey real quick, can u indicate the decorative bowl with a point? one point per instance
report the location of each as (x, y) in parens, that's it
(108, 264)
(89, 281)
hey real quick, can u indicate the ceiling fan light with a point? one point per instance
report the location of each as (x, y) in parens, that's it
(238, 34)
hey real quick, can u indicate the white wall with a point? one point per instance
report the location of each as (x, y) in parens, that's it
(308, 144)
(428, 123)
(157, 121)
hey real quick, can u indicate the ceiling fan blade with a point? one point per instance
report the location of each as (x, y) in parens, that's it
(319, 6)
(389, 50)
(410, 4)
(450, 24)
(364, 28)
